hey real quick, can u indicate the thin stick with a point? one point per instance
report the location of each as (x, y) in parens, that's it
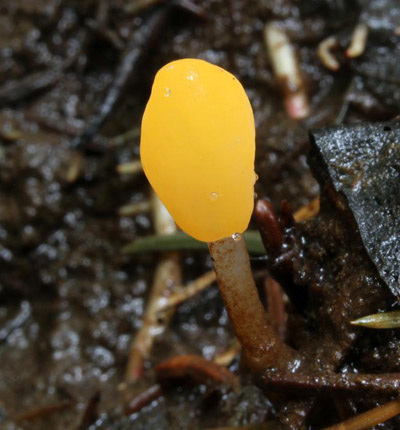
(139, 45)
(122, 139)
(370, 418)
(133, 209)
(226, 357)
(130, 168)
(166, 278)
(313, 383)
(44, 411)
(91, 411)
(261, 345)
(271, 425)
(74, 168)
(182, 294)
(143, 399)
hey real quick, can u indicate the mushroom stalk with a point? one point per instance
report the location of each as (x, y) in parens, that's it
(198, 139)
(261, 344)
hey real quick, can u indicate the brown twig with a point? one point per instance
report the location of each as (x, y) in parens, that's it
(90, 414)
(308, 383)
(37, 82)
(276, 306)
(44, 411)
(155, 391)
(264, 426)
(370, 418)
(143, 399)
(181, 294)
(31, 85)
(137, 46)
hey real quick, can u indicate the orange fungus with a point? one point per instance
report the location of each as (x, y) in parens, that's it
(198, 146)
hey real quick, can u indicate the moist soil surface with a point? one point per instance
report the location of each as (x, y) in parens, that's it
(74, 80)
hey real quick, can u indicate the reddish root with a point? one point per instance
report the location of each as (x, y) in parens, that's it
(197, 369)
(270, 228)
(143, 399)
(276, 306)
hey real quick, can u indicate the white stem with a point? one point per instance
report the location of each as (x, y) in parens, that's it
(287, 70)
(133, 209)
(325, 55)
(130, 168)
(358, 41)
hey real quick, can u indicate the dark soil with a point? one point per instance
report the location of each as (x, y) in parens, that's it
(75, 74)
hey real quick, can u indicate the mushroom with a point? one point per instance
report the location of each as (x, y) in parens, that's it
(197, 150)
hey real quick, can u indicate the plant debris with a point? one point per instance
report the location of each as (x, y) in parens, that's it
(363, 162)
(71, 302)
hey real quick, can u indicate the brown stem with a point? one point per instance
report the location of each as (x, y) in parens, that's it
(261, 345)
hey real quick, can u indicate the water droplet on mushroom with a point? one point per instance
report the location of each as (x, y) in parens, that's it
(167, 92)
(192, 76)
(255, 195)
(255, 178)
(236, 237)
(214, 196)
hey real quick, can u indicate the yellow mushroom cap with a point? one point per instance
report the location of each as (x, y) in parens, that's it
(198, 146)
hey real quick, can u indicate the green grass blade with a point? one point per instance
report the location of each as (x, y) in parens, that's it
(380, 321)
(181, 241)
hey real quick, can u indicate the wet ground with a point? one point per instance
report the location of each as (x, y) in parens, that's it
(70, 301)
